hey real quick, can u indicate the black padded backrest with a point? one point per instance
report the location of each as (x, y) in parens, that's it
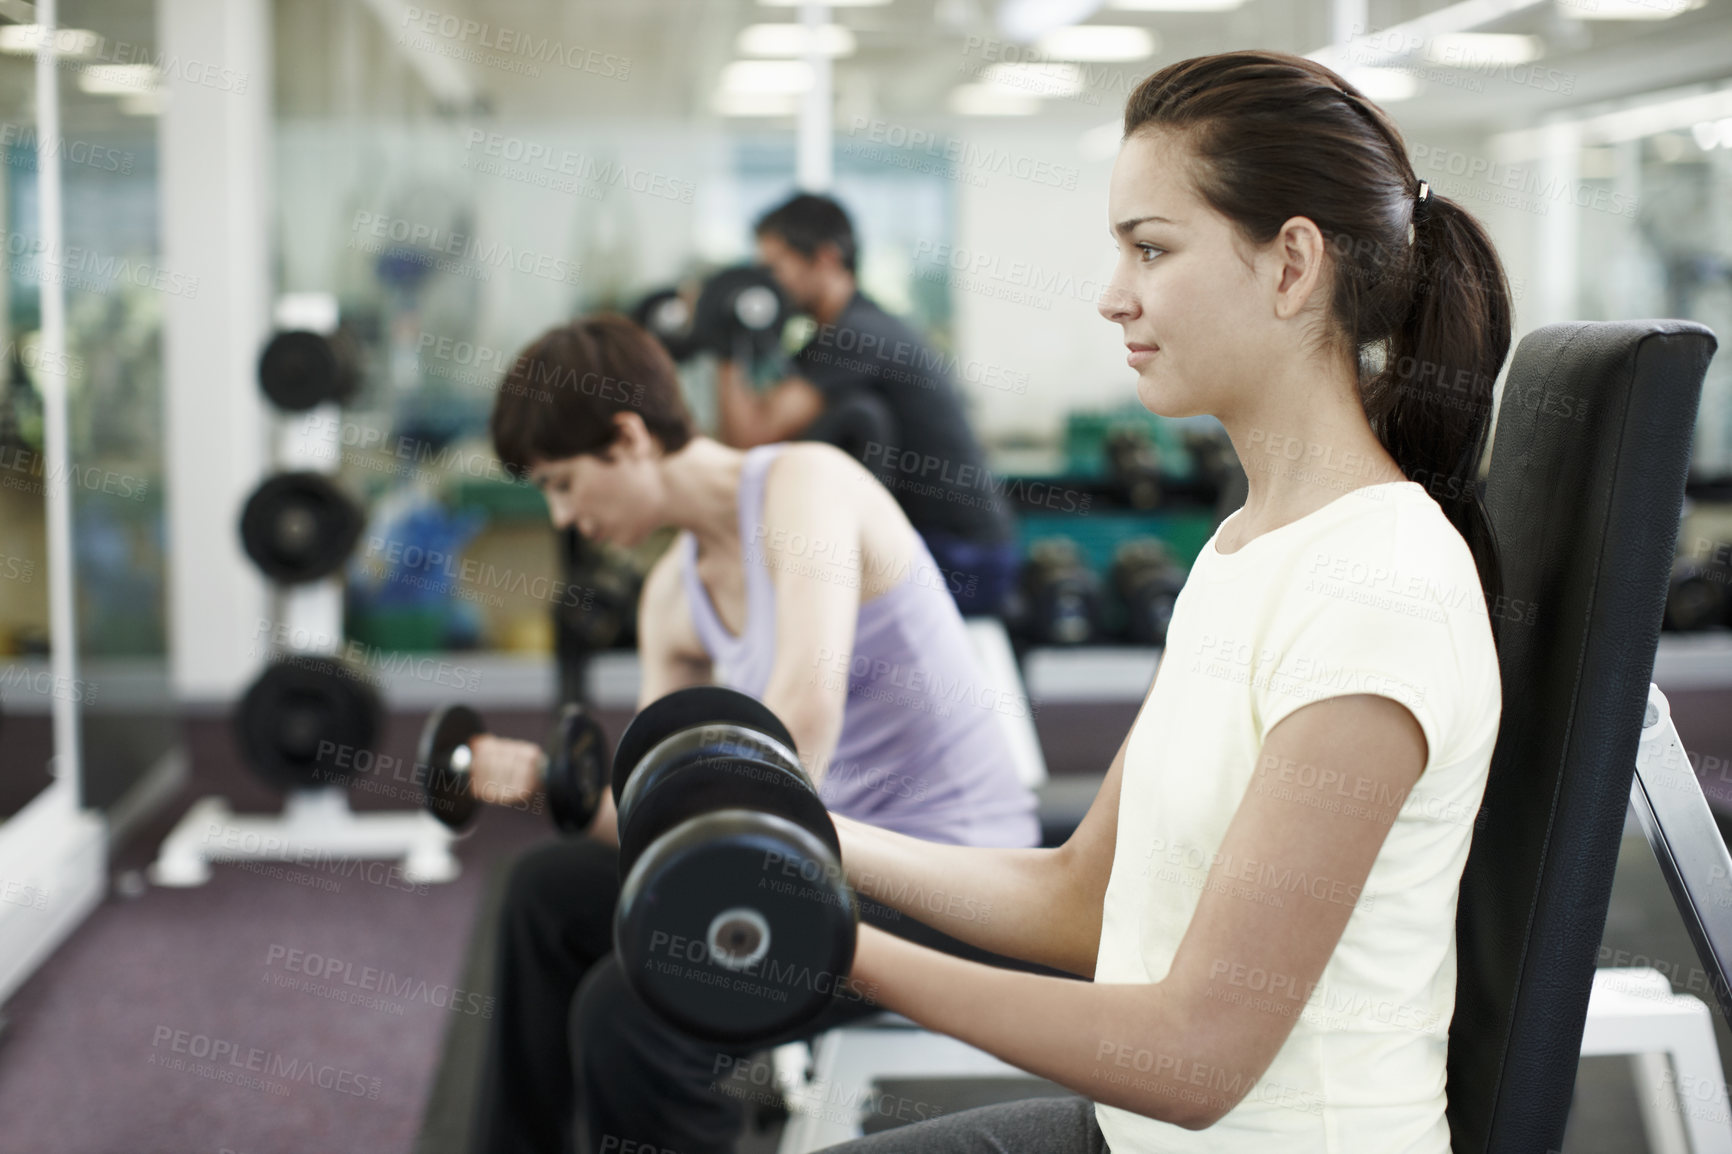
(1584, 491)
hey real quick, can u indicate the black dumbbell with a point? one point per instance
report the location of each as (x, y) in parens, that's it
(601, 607)
(667, 314)
(300, 527)
(1697, 598)
(300, 370)
(1134, 464)
(1217, 467)
(574, 767)
(302, 723)
(860, 424)
(1058, 597)
(735, 922)
(1148, 581)
(740, 314)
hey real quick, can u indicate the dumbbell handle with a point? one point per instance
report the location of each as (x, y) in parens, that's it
(463, 756)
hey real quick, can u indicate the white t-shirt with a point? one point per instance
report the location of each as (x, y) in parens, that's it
(1375, 593)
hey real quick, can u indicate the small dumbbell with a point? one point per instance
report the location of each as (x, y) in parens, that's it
(1148, 581)
(1058, 596)
(1697, 597)
(735, 922)
(574, 769)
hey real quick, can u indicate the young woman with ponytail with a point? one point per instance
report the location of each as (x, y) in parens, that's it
(1264, 891)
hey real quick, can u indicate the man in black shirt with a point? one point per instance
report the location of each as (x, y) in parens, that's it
(868, 382)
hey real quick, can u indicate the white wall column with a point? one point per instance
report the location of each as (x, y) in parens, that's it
(815, 150)
(1559, 241)
(215, 146)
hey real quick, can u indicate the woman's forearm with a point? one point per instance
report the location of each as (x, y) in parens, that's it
(1130, 1046)
(605, 826)
(1021, 903)
(739, 408)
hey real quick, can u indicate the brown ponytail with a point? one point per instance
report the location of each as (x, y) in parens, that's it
(1420, 295)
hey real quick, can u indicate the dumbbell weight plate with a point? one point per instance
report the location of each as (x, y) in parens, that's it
(739, 309)
(1150, 599)
(1697, 597)
(301, 370)
(682, 709)
(1148, 582)
(577, 770)
(668, 317)
(299, 527)
(304, 721)
(703, 778)
(713, 742)
(1063, 603)
(601, 606)
(445, 788)
(728, 950)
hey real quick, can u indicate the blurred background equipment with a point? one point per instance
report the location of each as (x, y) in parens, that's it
(1134, 464)
(1147, 581)
(310, 717)
(740, 314)
(304, 721)
(299, 527)
(596, 609)
(1057, 601)
(860, 424)
(667, 314)
(301, 370)
(1697, 598)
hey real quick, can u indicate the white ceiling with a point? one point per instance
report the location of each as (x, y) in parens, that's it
(357, 57)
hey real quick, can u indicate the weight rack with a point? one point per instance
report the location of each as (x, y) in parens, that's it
(316, 824)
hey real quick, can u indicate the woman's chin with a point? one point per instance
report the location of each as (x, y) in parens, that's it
(1159, 398)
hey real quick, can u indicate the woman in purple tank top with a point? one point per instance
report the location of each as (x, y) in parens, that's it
(797, 579)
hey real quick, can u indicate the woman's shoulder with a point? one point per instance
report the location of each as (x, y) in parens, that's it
(1389, 573)
(1398, 530)
(814, 468)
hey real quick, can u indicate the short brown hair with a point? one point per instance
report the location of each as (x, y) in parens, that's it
(563, 391)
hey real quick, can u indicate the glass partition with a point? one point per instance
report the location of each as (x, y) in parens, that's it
(115, 285)
(26, 684)
(452, 238)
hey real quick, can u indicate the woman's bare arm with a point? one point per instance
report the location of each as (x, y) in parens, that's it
(669, 658)
(1187, 1048)
(1039, 905)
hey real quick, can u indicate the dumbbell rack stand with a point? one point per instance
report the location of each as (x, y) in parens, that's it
(316, 830)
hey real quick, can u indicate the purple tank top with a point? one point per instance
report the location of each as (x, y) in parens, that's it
(922, 751)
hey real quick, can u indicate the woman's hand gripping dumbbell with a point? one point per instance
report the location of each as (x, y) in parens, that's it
(735, 922)
(466, 766)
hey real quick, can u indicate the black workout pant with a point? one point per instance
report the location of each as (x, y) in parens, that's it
(574, 1055)
(1033, 1126)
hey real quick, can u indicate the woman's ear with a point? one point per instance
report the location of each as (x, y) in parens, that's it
(634, 438)
(1302, 264)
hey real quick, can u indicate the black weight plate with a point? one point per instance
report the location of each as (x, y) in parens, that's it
(780, 891)
(1696, 599)
(299, 527)
(301, 370)
(740, 309)
(302, 723)
(704, 743)
(698, 705)
(701, 785)
(445, 791)
(1148, 583)
(577, 769)
(668, 317)
(600, 603)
